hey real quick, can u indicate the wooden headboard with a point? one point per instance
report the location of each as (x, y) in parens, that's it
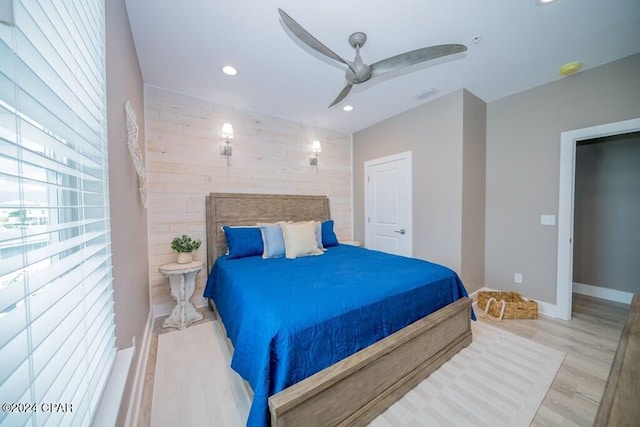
(249, 209)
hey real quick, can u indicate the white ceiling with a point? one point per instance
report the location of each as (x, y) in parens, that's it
(183, 45)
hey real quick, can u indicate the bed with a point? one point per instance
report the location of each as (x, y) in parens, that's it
(346, 348)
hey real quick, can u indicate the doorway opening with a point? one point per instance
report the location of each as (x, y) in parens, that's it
(568, 143)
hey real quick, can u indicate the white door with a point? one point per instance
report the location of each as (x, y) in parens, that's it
(388, 204)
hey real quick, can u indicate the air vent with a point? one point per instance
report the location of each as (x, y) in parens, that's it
(424, 94)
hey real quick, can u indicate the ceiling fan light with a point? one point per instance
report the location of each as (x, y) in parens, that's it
(348, 108)
(359, 72)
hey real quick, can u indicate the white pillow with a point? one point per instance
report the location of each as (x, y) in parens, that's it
(300, 239)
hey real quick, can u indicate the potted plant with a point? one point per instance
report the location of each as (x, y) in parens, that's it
(184, 245)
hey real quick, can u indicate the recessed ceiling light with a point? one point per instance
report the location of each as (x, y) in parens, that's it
(543, 2)
(347, 107)
(229, 70)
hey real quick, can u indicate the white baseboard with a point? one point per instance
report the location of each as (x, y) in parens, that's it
(162, 305)
(603, 293)
(547, 309)
(550, 310)
(135, 399)
(544, 308)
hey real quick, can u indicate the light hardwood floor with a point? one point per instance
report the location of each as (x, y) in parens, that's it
(589, 340)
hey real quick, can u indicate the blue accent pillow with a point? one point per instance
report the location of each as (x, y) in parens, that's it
(273, 241)
(243, 241)
(328, 236)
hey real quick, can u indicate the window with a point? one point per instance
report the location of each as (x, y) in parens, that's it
(57, 343)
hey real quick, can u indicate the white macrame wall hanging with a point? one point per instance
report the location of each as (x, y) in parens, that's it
(136, 154)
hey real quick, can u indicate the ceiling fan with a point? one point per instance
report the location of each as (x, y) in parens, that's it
(357, 71)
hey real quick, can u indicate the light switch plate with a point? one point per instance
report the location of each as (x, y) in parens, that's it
(547, 219)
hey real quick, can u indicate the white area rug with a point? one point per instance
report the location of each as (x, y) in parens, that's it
(498, 380)
(193, 383)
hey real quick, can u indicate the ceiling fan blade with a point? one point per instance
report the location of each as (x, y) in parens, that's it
(415, 57)
(342, 95)
(306, 38)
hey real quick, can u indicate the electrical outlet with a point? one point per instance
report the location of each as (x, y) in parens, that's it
(517, 278)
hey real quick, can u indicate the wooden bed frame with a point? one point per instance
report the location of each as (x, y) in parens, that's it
(355, 390)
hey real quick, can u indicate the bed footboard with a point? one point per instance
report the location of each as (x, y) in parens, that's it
(355, 390)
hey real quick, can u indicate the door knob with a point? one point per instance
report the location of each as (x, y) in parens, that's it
(399, 231)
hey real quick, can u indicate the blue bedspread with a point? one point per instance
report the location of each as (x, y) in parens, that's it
(288, 319)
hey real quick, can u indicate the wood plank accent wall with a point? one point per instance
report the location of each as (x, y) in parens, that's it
(270, 155)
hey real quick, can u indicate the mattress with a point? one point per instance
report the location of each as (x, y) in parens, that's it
(290, 318)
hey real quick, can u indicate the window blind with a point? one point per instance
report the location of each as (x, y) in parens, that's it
(57, 343)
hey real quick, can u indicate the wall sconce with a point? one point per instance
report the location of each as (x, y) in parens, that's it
(316, 148)
(227, 134)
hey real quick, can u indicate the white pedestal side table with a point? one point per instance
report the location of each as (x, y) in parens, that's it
(182, 279)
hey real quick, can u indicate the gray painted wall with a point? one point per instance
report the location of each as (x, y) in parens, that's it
(522, 170)
(128, 216)
(473, 190)
(435, 133)
(523, 164)
(606, 249)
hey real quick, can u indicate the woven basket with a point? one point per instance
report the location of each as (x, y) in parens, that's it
(515, 305)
